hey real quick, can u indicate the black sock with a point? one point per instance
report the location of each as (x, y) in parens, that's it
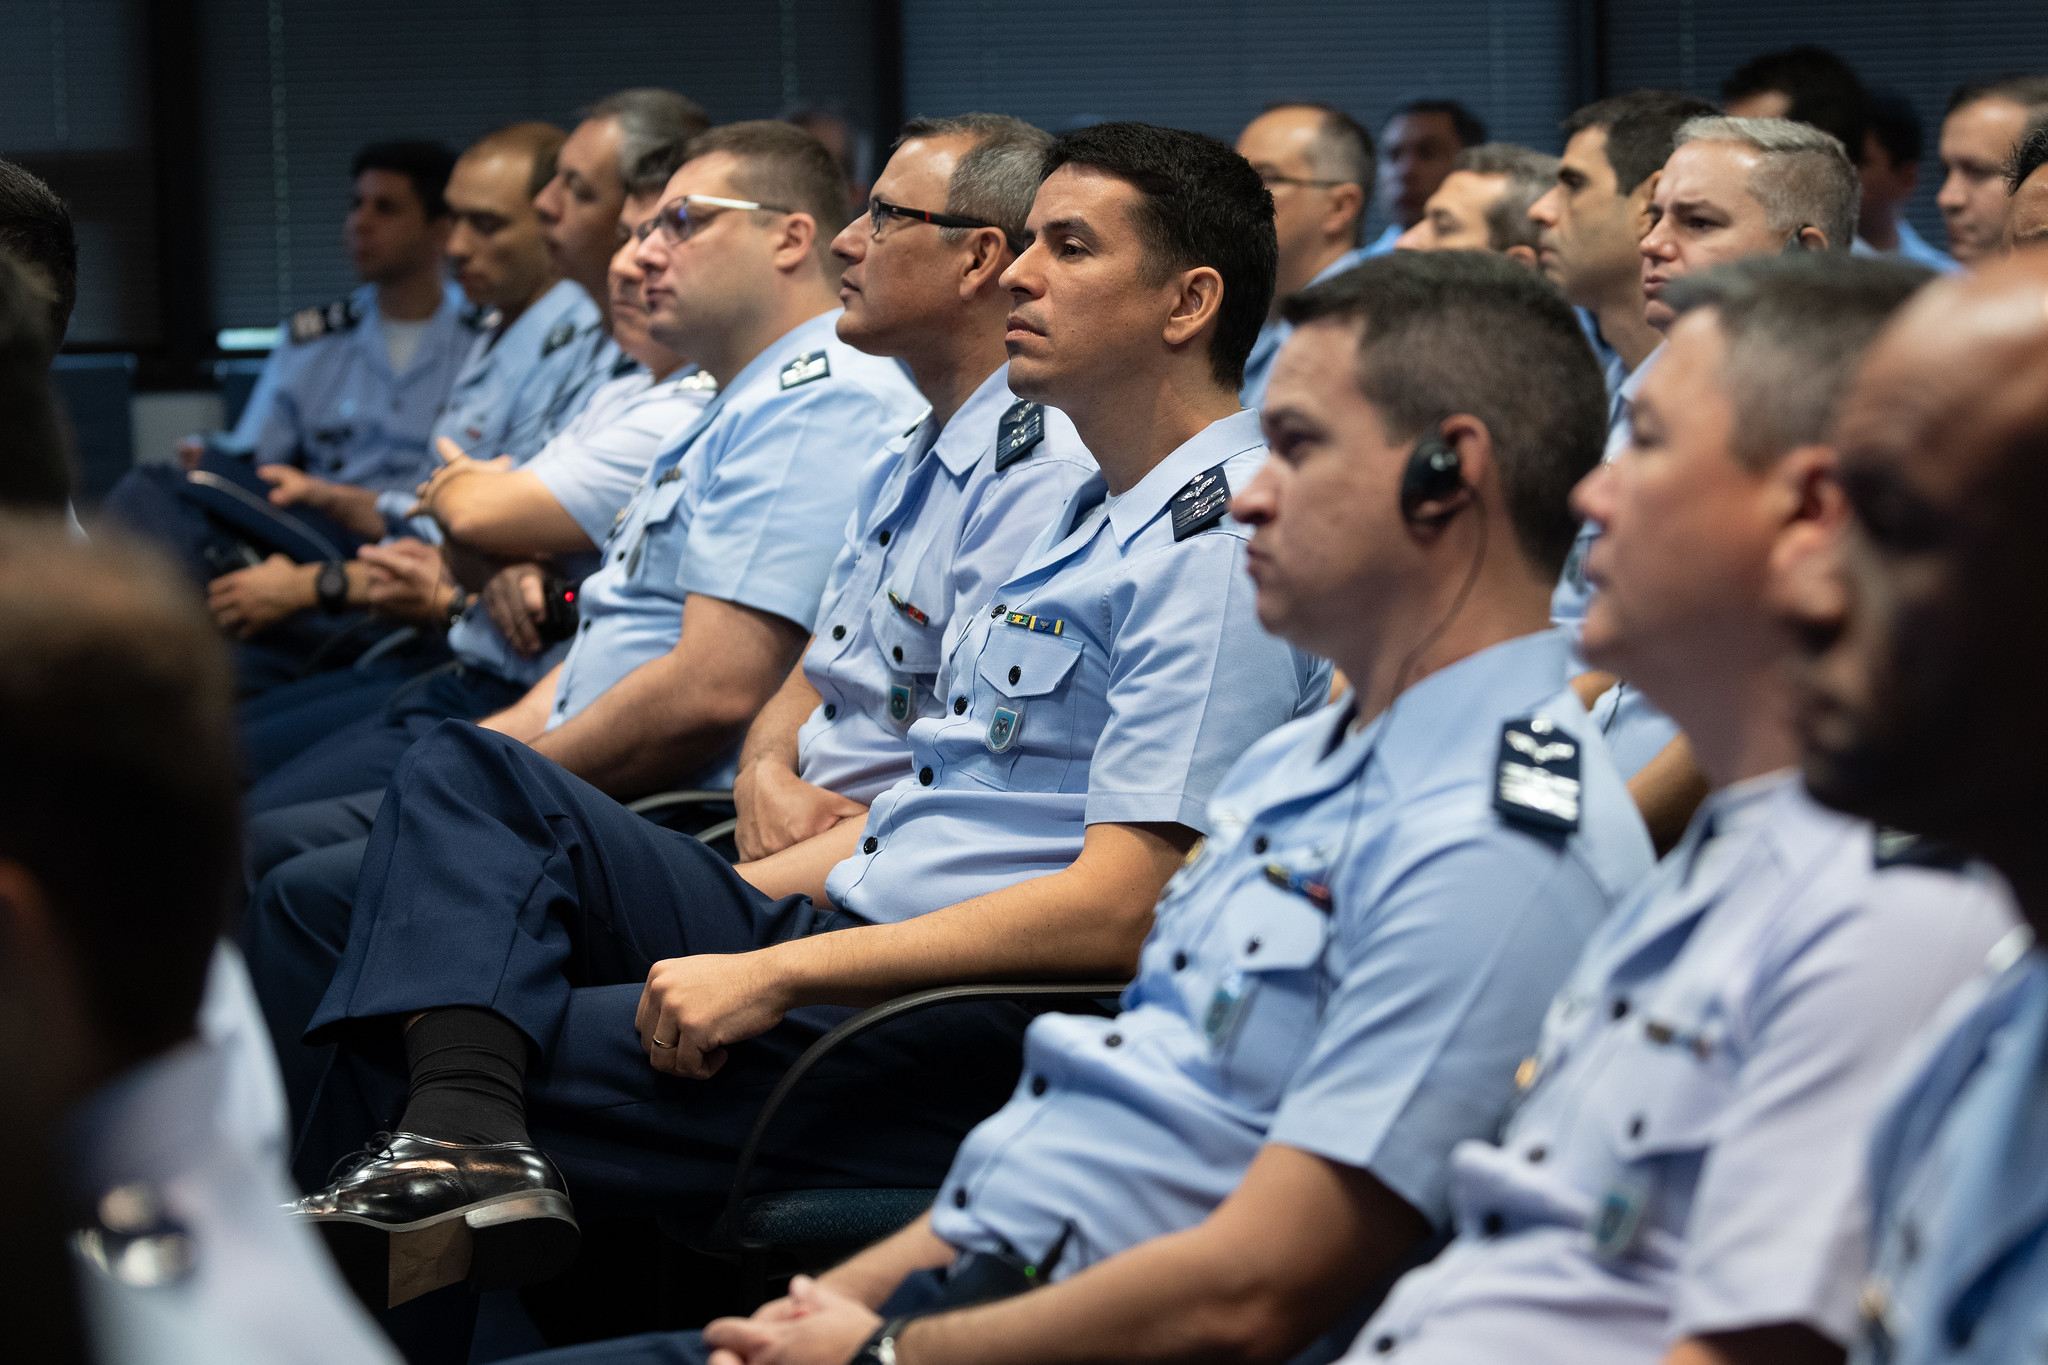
(468, 1070)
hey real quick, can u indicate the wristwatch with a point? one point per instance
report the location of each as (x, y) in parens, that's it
(457, 605)
(880, 1349)
(330, 587)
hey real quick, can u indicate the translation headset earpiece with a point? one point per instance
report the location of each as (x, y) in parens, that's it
(1796, 243)
(1434, 472)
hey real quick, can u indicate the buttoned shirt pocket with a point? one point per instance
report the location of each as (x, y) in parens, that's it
(910, 652)
(1666, 1093)
(1267, 996)
(1025, 709)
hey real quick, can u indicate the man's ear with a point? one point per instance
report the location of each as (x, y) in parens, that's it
(1639, 203)
(1347, 206)
(1808, 488)
(984, 268)
(1196, 307)
(1524, 256)
(798, 240)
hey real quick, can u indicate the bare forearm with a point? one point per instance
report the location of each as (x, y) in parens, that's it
(649, 730)
(355, 508)
(527, 719)
(510, 515)
(1784, 1343)
(772, 736)
(874, 1274)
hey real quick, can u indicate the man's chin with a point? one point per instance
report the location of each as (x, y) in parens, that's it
(1033, 378)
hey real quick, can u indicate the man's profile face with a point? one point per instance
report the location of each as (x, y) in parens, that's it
(1702, 214)
(624, 278)
(1087, 295)
(1328, 538)
(1975, 142)
(1454, 219)
(2026, 222)
(496, 247)
(1280, 144)
(1681, 559)
(579, 207)
(1416, 153)
(1923, 640)
(899, 281)
(1587, 230)
(387, 231)
(700, 286)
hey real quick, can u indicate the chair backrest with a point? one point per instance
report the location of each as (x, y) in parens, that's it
(96, 392)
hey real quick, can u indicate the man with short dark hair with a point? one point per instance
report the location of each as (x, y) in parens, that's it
(35, 228)
(34, 473)
(1335, 990)
(1090, 708)
(1805, 84)
(2027, 219)
(1318, 163)
(1421, 140)
(1483, 204)
(1919, 685)
(1985, 121)
(1889, 168)
(1680, 1178)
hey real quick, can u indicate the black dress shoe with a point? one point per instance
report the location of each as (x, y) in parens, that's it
(415, 1214)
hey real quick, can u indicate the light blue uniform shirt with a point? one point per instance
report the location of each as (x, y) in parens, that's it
(1115, 678)
(1688, 1160)
(327, 399)
(1912, 247)
(942, 518)
(592, 468)
(1375, 1033)
(1258, 366)
(1959, 1175)
(748, 503)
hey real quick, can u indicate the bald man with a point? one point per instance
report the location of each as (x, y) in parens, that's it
(1925, 645)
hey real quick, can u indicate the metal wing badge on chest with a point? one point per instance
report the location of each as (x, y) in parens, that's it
(1536, 777)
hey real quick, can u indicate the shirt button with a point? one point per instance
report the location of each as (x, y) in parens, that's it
(1180, 962)
(562, 705)
(1038, 1085)
(959, 1198)
(1383, 1345)
(1536, 1155)
(924, 777)
(870, 844)
(1113, 1040)
(897, 654)
(1492, 1224)
(839, 632)
(959, 706)
(884, 537)
(1015, 673)
(831, 711)
(1635, 1126)
(1619, 1009)
(584, 626)
(995, 611)
(1260, 845)
(1251, 945)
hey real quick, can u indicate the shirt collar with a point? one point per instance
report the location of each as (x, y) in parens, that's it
(972, 430)
(1514, 677)
(1207, 448)
(1342, 264)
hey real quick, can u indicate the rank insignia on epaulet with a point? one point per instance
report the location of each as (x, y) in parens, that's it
(561, 335)
(912, 612)
(805, 368)
(1897, 848)
(479, 318)
(624, 366)
(699, 381)
(1536, 780)
(914, 427)
(310, 324)
(1044, 625)
(1200, 503)
(1019, 433)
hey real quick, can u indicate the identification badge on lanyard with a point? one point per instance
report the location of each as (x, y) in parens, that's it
(1618, 1217)
(1226, 1008)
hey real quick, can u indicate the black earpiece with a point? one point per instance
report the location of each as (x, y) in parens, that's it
(1434, 472)
(1796, 243)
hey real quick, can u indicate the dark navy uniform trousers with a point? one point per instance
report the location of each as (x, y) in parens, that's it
(494, 878)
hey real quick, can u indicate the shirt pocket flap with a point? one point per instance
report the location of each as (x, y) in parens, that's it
(907, 646)
(1275, 929)
(1024, 663)
(1677, 1094)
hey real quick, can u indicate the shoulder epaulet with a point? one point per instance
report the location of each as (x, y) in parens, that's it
(1897, 848)
(1200, 503)
(805, 368)
(624, 366)
(698, 381)
(1019, 433)
(310, 324)
(560, 335)
(1536, 777)
(478, 318)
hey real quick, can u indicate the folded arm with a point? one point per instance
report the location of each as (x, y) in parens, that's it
(778, 809)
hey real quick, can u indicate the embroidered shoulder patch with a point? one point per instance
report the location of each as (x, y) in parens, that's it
(1019, 433)
(1536, 779)
(1200, 503)
(562, 334)
(805, 368)
(310, 324)
(1897, 848)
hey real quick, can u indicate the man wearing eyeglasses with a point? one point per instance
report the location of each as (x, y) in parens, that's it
(1318, 163)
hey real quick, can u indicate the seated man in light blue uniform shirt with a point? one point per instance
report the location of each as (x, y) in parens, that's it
(1921, 702)
(946, 510)
(1089, 711)
(1682, 1178)
(1337, 986)
(1318, 162)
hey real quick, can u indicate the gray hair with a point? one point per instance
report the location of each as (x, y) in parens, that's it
(1806, 180)
(1530, 175)
(1795, 328)
(997, 178)
(654, 128)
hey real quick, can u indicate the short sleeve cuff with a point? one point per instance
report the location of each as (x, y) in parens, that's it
(760, 591)
(1148, 808)
(584, 509)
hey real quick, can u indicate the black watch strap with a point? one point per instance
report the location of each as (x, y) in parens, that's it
(330, 587)
(457, 606)
(880, 1349)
